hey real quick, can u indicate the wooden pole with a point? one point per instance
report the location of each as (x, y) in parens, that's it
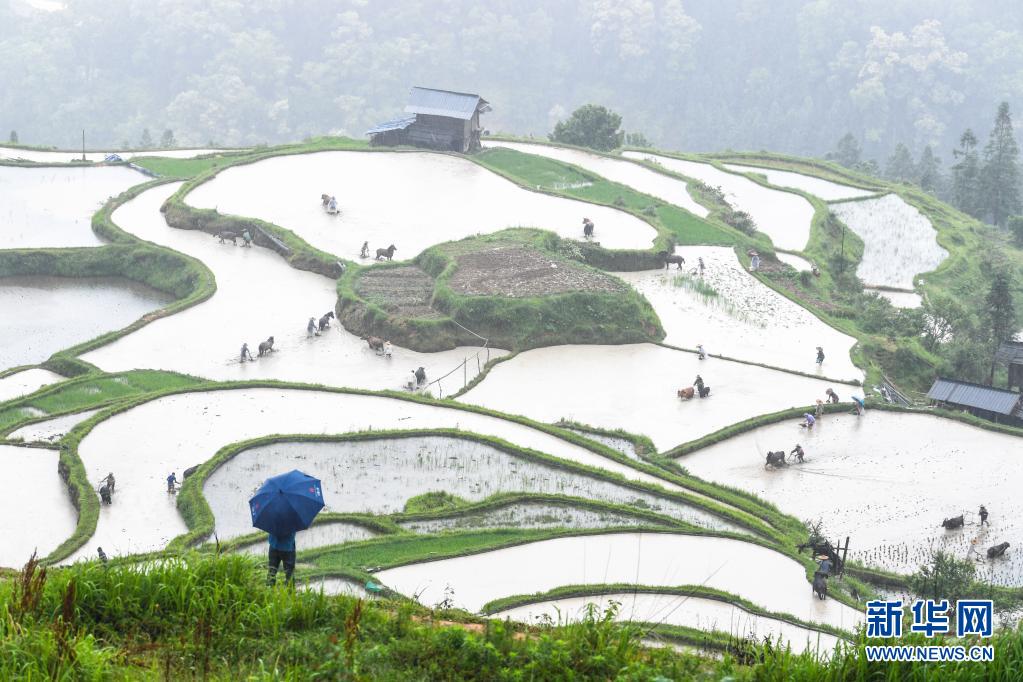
(845, 552)
(83, 144)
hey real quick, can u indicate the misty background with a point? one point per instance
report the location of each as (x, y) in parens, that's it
(700, 75)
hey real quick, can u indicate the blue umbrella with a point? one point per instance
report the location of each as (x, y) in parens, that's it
(286, 503)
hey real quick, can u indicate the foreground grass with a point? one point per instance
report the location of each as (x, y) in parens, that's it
(213, 618)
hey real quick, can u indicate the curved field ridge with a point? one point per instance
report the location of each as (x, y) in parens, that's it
(653, 559)
(899, 242)
(887, 480)
(53, 207)
(378, 476)
(782, 216)
(144, 444)
(700, 613)
(413, 200)
(639, 178)
(633, 387)
(825, 189)
(258, 295)
(36, 510)
(746, 319)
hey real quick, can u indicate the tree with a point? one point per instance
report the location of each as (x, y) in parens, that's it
(590, 126)
(966, 176)
(847, 152)
(928, 171)
(146, 141)
(945, 577)
(13, 138)
(1001, 312)
(1000, 177)
(900, 165)
(1016, 228)
(637, 140)
(167, 139)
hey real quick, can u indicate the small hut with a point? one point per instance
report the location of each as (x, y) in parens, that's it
(435, 119)
(993, 404)
(1010, 353)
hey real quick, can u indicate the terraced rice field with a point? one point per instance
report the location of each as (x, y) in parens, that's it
(782, 216)
(888, 480)
(733, 314)
(52, 207)
(36, 508)
(899, 242)
(286, 190)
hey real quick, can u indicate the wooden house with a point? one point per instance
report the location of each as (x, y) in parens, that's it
(435, 119)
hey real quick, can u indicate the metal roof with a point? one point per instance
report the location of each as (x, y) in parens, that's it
(432, 102)
(975, 395)
(394, 124)
(1009, 352)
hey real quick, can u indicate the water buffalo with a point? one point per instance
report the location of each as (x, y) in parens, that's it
(953, 523)
(672, 258)
(325, 320)
(686, 393)
(375, 342)
(266, 347)
(775, 459)
(420, 376)
(997, 550)
(820, 585)
(387, 253)
(227, 235)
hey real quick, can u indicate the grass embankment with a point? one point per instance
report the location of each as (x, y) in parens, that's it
(213, 618)
(673, 224)
(88, 392)
(548, 298)
(181, 169)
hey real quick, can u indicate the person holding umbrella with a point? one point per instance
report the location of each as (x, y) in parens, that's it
(282, 506)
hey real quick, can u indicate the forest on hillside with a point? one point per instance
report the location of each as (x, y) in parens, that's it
(788, 75)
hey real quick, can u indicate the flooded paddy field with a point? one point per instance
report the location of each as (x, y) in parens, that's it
(733, 314)
(323, 534)
(379, 476)
(625, 172)
(651, 559)
(633, 387)
(69, 156)
(442, 198)
(144, 444)
(622, 445)
(259, 295)
(782, 216)
(52, 207)
(43, 315)
(899, 242)
(529, 515)
(26, 381)
(36, 508)
(824, 189)
(798, 262)
(700, 613)
(899, 299)
(337, 585)
(887, 480)
(51, 430)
